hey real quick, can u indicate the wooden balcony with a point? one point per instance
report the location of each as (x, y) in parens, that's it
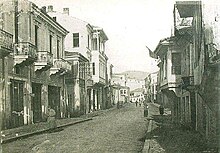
(6, 43)
(25, 53)
(44, 61)
(60, 67)
(183, 18)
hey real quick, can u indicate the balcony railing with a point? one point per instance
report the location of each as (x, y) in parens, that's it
(6, 39)
(61, 63)
(45, 57)
(26, 48)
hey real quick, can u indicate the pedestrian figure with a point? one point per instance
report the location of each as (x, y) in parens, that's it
(136, 103)
(140, 102)
(118, 105)
(145, 110)
(51, 119)
(161, 110)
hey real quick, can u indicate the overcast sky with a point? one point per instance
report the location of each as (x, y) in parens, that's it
(129, 24)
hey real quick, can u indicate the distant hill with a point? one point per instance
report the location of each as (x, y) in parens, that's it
(139, 75)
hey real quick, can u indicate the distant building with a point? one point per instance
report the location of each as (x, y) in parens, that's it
(134, 83)
(121, 94)
(137, 95)
(151, 87)
(124, 80)
(119, 79)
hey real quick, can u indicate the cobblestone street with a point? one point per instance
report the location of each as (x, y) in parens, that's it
(118, 130)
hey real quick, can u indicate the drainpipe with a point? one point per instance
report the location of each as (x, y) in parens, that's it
(16, 22)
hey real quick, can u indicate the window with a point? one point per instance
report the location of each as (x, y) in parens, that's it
(55, 18)
(36, 35)
(165, 66)
(93, 68)
(121, 92)
(88, 41)
(176, 63)
(94, 44)
(51, 43)
(124, 91)
(58, 48)
(75, 39)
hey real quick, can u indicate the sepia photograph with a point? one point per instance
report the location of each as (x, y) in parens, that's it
(110, 76)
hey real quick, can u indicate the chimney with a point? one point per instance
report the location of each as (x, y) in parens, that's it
(44, 9)
(66, 11)
(50, 8)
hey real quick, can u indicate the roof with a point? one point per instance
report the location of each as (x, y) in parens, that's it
(137, 90)
(163, 45)
(96, 28)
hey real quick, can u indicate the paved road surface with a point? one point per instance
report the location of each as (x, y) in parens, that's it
(120, 130)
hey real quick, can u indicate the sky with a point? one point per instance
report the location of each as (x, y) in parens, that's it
(130, 25)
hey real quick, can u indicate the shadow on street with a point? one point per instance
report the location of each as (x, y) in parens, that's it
(171, 138)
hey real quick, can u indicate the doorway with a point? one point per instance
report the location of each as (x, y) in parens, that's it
(54, 99)
(36, 102)
(17, 103)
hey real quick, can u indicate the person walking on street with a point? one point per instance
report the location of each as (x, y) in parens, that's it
(136, 103)
(161, 110)
(140, 102)
(145, 110)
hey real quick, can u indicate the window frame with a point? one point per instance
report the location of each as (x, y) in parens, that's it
(75, 40)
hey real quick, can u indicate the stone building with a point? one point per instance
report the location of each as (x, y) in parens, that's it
(78, 52)
(89, 41)
(35, 71)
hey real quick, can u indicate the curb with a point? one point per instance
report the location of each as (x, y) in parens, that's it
(146, 148)
(7, 140)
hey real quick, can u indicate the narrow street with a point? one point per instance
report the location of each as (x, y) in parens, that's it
(118, 130)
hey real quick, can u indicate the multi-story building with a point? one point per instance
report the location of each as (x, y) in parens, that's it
(170, 72)
(200, 60)
(109, 84)
(36, 69)
(89, 41)
(6, 48)
(121, 92)
(189, 68)
(137, 95)
(119, 79)
(151, 87)
(183, 29)
(78, 52)
(99, 67)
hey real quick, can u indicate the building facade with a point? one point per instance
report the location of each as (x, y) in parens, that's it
(189, 68)
(35, 71)
(78, 52)
(151, 87)
(89, 41)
